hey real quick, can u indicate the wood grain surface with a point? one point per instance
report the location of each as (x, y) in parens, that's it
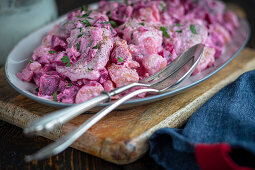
(121, 137)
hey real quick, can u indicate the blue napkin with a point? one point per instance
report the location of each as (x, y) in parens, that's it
(220, 134)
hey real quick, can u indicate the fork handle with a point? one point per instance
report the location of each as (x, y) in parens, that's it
(68, 139)
(62, 116)
(59, 117)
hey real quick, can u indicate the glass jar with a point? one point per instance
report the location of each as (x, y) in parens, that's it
(20, 17)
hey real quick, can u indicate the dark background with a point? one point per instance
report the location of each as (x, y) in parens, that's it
(14, 145)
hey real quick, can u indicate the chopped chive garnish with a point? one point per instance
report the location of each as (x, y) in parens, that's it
(37, 89)
(193, 29)
(120, 59)
(84, 8)
(90, 69)
(142, 23)
(80, 35)
(31, 61)
(48, 73)
(85, 16)
(78, 28)
(132, 36)
(86, 22)
(106, 22)
(78, 45)
(179, 31)
(164, 31)
(55, 96)
(163, 6)
(52, 52)
(68, 64)
(113, 24)
(66, 60)
(95, 47)
(70, 84)
(178, 24)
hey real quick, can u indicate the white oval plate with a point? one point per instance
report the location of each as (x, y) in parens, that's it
(22, 52)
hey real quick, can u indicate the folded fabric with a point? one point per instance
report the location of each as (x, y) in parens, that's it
(219, 135)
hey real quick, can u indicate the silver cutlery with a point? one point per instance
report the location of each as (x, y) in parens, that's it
(165, 80)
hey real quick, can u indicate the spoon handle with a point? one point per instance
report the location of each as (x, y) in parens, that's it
(68, 139)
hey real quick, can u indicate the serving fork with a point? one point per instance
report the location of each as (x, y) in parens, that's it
(165, 80)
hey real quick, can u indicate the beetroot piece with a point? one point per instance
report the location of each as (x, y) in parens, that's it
(119, 55)
(122, 13)
(102, 23)
(68, 94)
(58, 44)
(48, 84)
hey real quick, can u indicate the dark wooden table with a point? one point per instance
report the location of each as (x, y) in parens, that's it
(14, 145)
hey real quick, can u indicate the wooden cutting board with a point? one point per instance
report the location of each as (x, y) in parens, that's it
(121, 137)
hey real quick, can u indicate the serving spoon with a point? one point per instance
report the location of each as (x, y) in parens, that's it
(165, 80)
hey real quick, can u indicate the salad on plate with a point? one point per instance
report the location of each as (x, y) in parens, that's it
(123, 42)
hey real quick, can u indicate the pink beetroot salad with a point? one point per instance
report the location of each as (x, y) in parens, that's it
(121, 43)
